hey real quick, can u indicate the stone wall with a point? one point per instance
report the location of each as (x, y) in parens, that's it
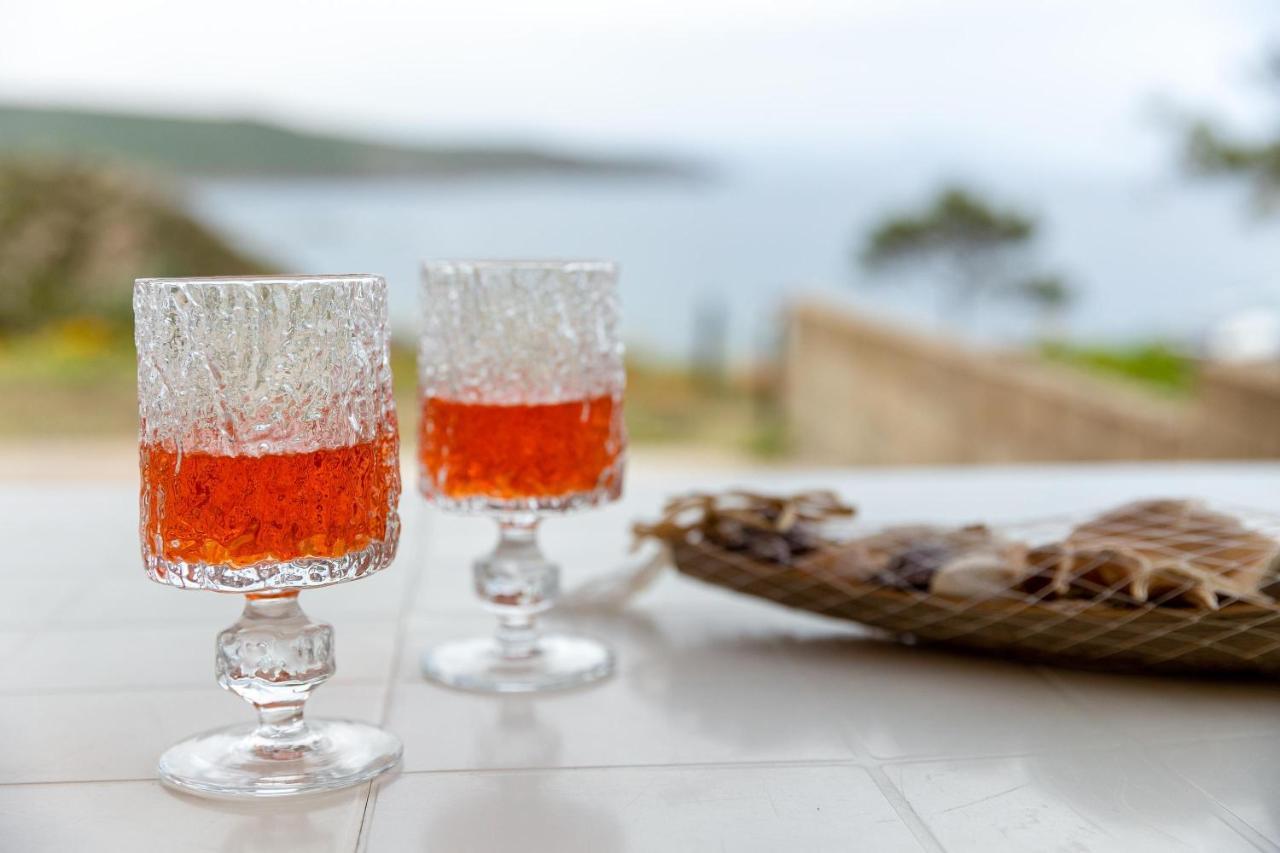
(859, 391)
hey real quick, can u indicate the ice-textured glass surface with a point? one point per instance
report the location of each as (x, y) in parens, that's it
(521, 379)
(250, 366)
(274, 652)
(269, 443)
(520, 332)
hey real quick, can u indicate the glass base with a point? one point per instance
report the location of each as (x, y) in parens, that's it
(560, 662)
(232, 762)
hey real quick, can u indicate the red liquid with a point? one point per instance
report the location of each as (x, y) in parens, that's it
(514, 452)
(240, 510)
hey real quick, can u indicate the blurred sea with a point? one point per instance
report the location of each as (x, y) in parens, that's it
(1150, 257)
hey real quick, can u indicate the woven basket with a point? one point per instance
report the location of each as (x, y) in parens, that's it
(1237, 639)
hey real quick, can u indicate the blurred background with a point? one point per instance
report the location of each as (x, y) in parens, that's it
(851, 231)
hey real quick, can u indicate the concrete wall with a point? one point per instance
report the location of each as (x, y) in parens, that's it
(863, 392)
(1239, 411)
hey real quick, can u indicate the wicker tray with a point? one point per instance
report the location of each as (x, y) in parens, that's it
(1238, 639)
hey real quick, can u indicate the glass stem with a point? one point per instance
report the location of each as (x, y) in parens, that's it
(517, 583)
(273, 657)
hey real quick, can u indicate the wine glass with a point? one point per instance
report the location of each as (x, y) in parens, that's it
(269, 455)
(520, 381)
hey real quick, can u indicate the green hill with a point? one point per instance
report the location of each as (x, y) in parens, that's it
(74, 237)
(211, 147)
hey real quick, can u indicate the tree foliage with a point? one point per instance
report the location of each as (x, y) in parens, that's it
(975, 246)
(1045, 289)
(957, 226)
(1210, 150)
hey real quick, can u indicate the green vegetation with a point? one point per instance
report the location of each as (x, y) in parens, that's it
(975, 247)
(1049, 291)
(218, 147)
(73, 239)
(670, 404)
(1210, 150)
(69, 379)
(1153, 365)
(77, 379)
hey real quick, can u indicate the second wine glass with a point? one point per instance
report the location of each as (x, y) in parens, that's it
(521, 378)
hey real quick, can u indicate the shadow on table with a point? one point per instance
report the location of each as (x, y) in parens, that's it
(503, 808)
(280, 824)
(744, 677)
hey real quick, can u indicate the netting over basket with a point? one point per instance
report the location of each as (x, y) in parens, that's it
(1161, 585)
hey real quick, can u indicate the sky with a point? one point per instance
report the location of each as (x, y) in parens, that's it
(1078, 81)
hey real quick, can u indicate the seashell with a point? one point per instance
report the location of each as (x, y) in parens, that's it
(980, 574)
(916, 556)
(1165, 552)
(1049, 571)
(1162, 551)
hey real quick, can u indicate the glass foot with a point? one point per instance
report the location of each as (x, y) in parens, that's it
(235, 762)
(558, 662)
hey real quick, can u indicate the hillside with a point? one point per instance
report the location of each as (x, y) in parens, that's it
(73, 238)
(211, 147)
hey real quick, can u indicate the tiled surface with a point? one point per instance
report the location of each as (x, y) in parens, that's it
(731, 724)
(681, 702)
(1241, 775)
(1112, 799)
(99, 736)
(813, 809)
(1161, 710)
(901, 703)
(142, 816)
(150, 656)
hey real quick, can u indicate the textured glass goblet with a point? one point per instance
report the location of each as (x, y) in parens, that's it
(269, 454)
(521, 379)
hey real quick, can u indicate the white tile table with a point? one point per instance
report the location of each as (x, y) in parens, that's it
(730, 725)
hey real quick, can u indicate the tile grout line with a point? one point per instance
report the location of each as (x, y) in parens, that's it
(579, 768)
(1237, 824)
(361, 838)
(463, 771)
(1226, 815)
(397, 654)
(589, 768)
(781, 764)
(50, 782)
(850, 761)
(867, 763)
(909, 817)
(896, 800)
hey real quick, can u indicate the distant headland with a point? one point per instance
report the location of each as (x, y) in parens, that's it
(205, 147)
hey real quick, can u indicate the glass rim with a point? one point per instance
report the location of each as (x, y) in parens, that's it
(286, 278)
(589, 264)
